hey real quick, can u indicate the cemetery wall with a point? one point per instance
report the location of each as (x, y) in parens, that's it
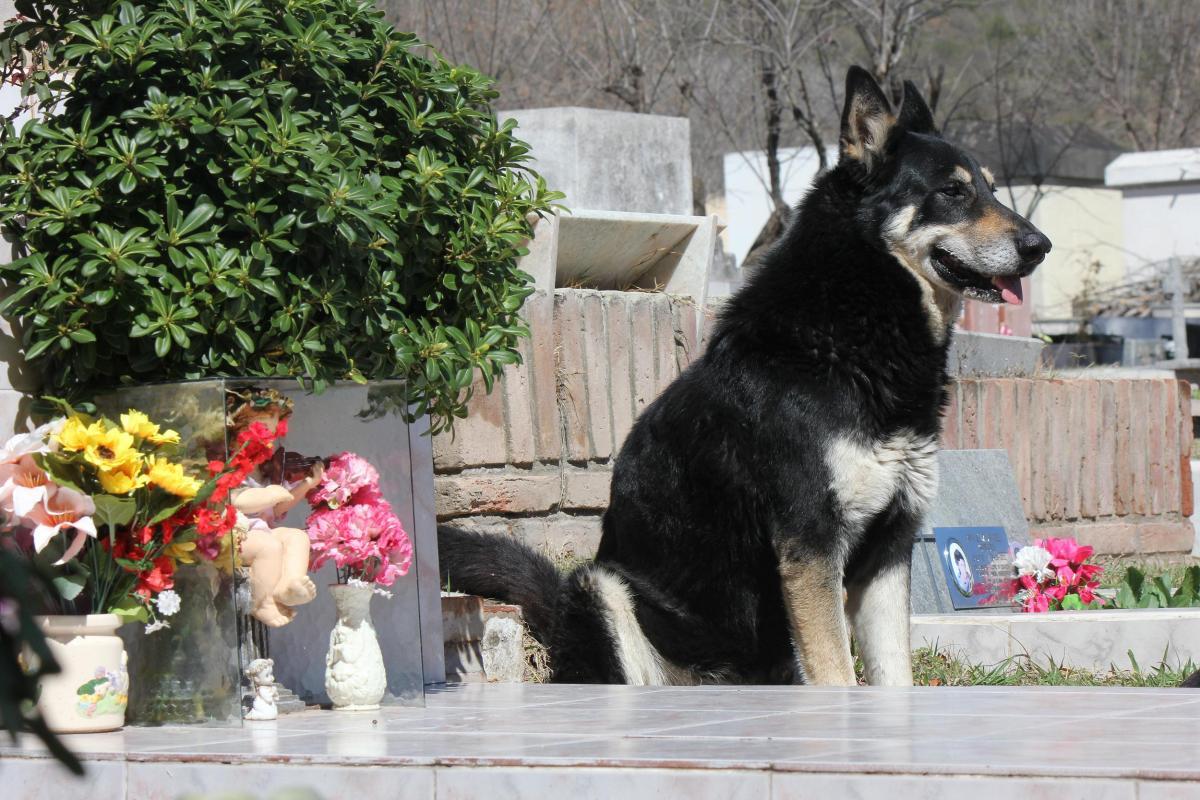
(534, 458)
(1105, 461)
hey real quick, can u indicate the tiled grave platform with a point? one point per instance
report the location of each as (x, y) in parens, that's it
(510, 741)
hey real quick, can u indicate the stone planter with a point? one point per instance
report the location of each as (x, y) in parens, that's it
(1095, 640)
(354, 675)
(92, 691)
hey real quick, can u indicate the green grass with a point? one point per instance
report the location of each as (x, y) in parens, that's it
(934, 666)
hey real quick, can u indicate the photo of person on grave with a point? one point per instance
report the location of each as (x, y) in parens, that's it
(964, 581)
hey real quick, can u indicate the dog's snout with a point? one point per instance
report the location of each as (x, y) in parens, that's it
(1032, 246)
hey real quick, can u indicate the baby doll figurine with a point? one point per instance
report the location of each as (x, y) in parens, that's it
(276, 556)
(266, 693)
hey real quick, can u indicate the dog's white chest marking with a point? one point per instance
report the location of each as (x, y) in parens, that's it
(866, 478)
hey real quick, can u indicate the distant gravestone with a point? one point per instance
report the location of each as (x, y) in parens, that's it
(977, 511)
(610, 160)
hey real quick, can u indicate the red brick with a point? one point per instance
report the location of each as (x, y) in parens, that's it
(477, 440)
(543, 376)
(1074, 399)
(1166, 537)
(587, 489)
(1171, 478)
(620, 338)
(1140, 445)
(1124, 472)
(1019, 451)
(666, 369)
(1089, 440)
(1057, 466)
(645, 380)
(1185, 447)
(1159, 445)
(496, 493)
(572, 385)
(1109, 538)
(598, 376)
(1106, 453)
(1035, 504)
(518, 408)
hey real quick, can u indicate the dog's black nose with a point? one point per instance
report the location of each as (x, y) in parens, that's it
(1032, 247)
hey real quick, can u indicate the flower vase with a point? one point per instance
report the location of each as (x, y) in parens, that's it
(354, 674)
(92, 691)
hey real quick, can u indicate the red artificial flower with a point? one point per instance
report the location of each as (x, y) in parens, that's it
(158, 579)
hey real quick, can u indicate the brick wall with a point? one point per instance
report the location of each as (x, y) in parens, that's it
(1105, 461)
(534, 457)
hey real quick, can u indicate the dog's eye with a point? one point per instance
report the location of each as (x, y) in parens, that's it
(954, 189)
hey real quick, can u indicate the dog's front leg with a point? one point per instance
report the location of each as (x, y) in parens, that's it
(879, 612)
(812, 591)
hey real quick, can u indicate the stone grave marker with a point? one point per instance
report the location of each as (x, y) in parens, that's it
(977, 494)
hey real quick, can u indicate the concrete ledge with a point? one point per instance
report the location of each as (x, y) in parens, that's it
(1094, 640)
(982, 355)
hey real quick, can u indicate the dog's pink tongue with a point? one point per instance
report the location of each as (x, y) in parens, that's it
(1010, 289)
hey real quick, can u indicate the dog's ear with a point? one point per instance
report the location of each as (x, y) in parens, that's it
(867, 118)
(915, 115)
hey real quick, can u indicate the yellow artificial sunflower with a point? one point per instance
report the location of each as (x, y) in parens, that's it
(135, 423)
(165, 437)
(73, 435)
(181, 552)
(170, 476)
(109, 449)
(124, 478)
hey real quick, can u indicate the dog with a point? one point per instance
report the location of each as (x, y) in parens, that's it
(764, 506)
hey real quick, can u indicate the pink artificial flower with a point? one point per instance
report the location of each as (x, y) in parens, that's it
(346, 475)
(67, 509)
(23, 484)
(367, 538)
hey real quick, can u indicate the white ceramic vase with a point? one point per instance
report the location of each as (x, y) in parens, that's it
(92, 691)
(354, 674)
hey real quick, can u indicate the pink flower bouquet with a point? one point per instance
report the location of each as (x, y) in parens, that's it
(1052, 575)
(354, 527)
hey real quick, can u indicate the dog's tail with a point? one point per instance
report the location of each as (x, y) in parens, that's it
(502, 568)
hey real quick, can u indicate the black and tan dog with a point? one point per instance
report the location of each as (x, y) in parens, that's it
(796, 458)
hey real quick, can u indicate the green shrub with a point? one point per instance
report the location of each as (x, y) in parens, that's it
(1136, 591)
(259, 187)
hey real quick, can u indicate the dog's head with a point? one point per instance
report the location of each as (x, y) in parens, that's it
(931, 204)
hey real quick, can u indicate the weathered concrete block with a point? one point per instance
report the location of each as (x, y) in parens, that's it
(975, 355)
(503, 492)
(575, 150)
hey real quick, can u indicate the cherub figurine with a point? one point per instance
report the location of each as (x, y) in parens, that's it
(276, 556)
(262, 677)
